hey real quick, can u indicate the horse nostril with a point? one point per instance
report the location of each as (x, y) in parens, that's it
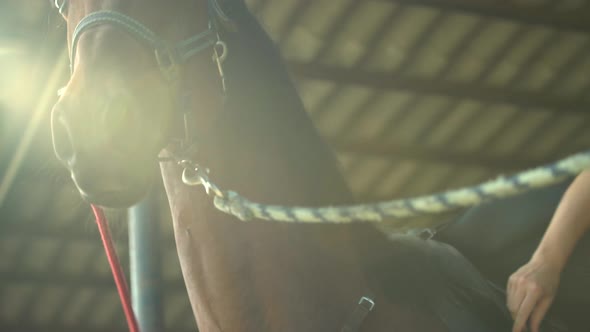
(62, 137)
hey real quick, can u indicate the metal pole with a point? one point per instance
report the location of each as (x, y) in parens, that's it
(145, 263)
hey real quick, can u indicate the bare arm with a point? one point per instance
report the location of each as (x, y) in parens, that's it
(570, 222)
(531, 289)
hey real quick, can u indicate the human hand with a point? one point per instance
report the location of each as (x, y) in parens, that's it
(530, 292)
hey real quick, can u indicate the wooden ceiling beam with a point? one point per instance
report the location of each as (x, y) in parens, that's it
(32, 229)
(390, 81)
(430, 155)
(570, 20)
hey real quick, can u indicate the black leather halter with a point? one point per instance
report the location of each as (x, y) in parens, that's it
(168, 55)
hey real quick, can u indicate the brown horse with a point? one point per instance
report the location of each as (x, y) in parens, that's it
(120, 113)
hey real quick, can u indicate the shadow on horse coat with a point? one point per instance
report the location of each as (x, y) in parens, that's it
(261, 276)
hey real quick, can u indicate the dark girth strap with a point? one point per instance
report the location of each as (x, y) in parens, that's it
(356, 319)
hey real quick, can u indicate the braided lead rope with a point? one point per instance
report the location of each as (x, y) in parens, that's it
(232, 203)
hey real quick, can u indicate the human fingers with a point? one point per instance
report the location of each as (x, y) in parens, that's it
(510, 288)
(515, 294)
(539, 313)
(524, 311)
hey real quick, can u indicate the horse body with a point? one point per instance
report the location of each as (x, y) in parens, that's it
(260, 276)
(263, 276)
(275, 277)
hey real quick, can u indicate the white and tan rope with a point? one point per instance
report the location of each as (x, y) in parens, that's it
(232, 203)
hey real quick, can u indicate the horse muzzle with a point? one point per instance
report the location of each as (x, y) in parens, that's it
(104, 153)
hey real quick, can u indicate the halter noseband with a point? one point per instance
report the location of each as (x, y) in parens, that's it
(167, 56)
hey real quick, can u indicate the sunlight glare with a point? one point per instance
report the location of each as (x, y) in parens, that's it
(15, 81)
(43, 105)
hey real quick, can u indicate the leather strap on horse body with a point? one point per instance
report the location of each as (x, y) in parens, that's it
(356, 319)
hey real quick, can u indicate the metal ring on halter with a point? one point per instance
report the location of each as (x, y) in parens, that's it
(191, 177)
(61, 7)
(195, 176)
(221, 57)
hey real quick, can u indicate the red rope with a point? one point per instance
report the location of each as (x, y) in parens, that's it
(118, 275)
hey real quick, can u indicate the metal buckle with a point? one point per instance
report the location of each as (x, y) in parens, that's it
(426, 234)
(61, 7)
(167, 60)
(193, 175)
(220, 46)
(367, 303)
(355, 320)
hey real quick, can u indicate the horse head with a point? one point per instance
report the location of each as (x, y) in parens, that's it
(119, 108)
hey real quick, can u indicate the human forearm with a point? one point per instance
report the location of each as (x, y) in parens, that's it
(570, 222)
(532, 288)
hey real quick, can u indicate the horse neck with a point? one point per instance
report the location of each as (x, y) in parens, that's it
(257, 275)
